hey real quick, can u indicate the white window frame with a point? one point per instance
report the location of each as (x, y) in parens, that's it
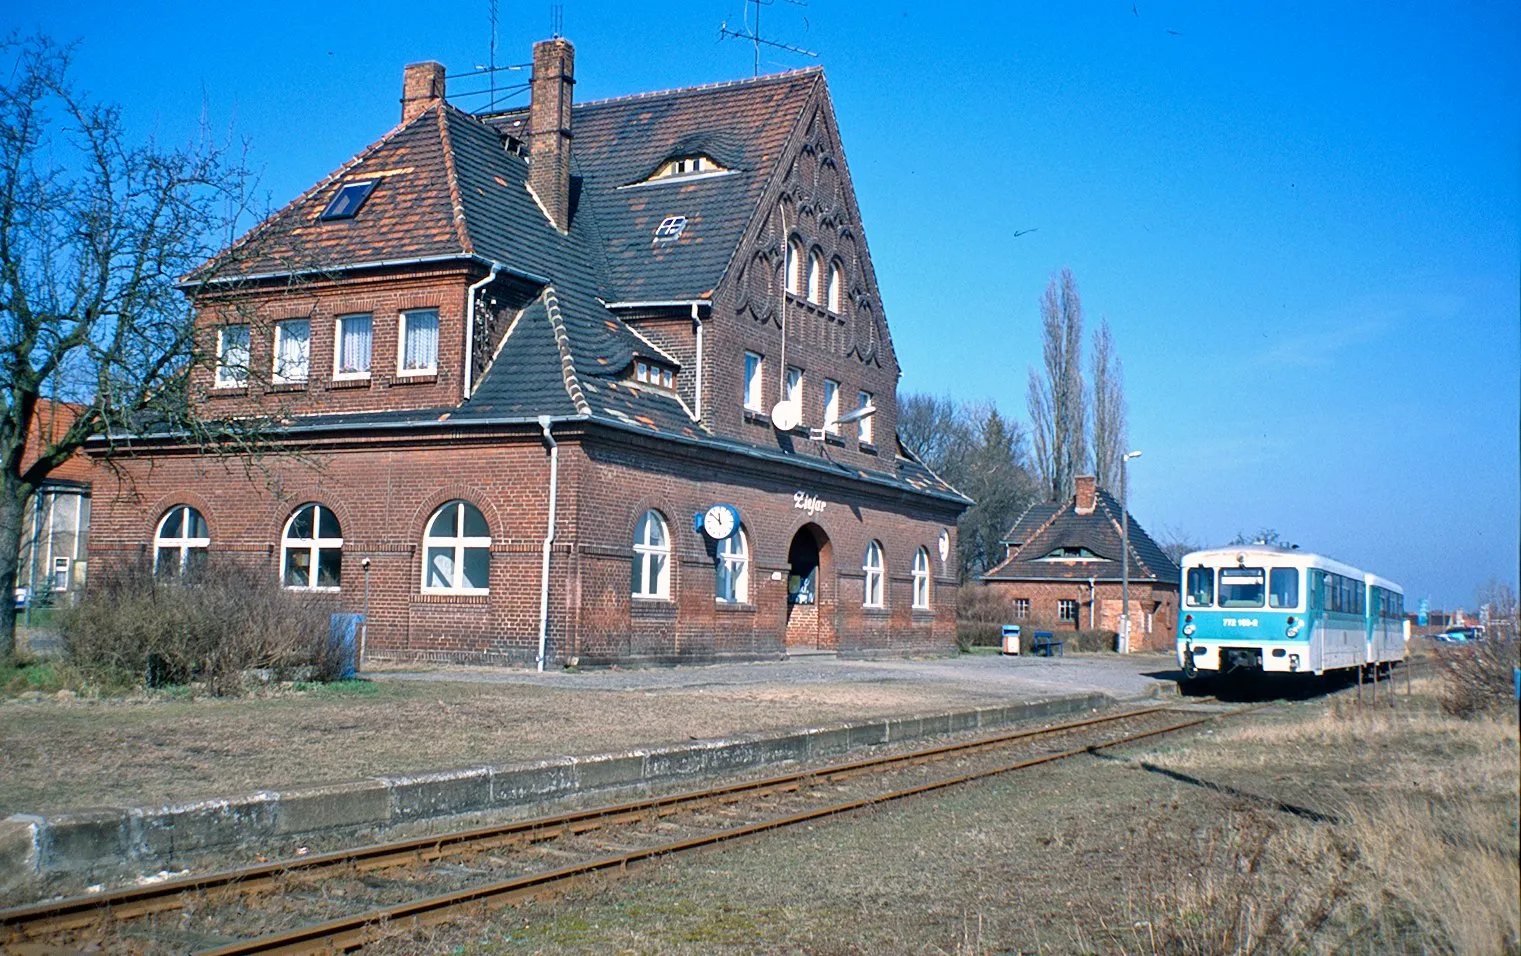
(836, 287)
(1061, 606)
(872, 591)
(732, 565)
(652, 558)
(402, 338)
(458, 543)
(794, 266)
(60, 573)
(1021, 609)
(816, 277)
(831, 406)
(313, 547)
(183, 543)
(278, 374)
(338, 374)
(922, 579)
(794, 390)
(863, 425)
(755, 399)
(230, 373)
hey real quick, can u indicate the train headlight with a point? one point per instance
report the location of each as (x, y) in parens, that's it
(1293, 630)
(1188, 630)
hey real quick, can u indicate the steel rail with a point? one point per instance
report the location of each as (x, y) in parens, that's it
(353, 932)
(79, 912)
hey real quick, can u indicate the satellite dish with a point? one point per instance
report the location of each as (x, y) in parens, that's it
(785, 416)
(854, 416)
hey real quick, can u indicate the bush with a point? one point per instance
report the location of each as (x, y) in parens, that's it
(1479, 679)
(137, 628)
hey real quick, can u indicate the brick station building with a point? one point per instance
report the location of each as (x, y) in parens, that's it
(1062, 570)
(608, 381)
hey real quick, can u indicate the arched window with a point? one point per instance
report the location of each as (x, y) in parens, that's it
(311, 550)
(922, 578)
(457, 550)
(816, 279)
(836, 288)
(732, 571)
(180, 543)
(652, 557)
(873, 568)
(794, 267)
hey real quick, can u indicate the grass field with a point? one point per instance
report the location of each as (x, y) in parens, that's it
(1324, 827)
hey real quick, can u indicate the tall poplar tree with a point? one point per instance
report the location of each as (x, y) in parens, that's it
(1109, 412)
(1057, 397)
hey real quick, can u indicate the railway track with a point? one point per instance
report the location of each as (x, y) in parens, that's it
(347, 899)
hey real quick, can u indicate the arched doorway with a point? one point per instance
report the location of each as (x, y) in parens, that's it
(810, 591)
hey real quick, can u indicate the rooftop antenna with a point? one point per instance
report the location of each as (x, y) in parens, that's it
(556, 20)
(492, 62)
(754, 35)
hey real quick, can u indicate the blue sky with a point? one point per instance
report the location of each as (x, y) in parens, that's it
(1302, 221)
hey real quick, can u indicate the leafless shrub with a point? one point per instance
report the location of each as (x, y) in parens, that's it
(135, 627)
(1478, 678)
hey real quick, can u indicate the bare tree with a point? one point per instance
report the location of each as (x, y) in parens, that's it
(1109, 412)
(1175, 543)
(94, 235)
(1057, 399)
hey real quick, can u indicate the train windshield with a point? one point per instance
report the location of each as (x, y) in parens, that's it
(1242, 587)
(1201, 587)
(1283, 588)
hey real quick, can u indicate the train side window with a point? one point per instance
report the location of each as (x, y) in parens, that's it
(1201, 587)
(1283, 588)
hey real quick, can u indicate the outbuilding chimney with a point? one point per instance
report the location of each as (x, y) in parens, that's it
(1087, 494)
(549, 128)
(422, 86)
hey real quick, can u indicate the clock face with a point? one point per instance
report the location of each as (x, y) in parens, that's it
(719, 522)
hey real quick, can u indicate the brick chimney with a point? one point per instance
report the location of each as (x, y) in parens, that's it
(549, 128)
(1087, 494)
(422, 85)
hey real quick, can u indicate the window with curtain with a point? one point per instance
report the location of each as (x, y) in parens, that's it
(419, 342)
(652, 557)
(836, 288)
(352, 351)
(816, 279)
(831, 406)
(232, 356)
(732, 570)
(794, 266)
(873, 567)
(457, 550)
(863, 425)
(293, 341)
(922, 578)
(753, 399)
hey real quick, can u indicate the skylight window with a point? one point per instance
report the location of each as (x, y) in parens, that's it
(348, 199)
(654, 375)
(670, 228)
(688, 166)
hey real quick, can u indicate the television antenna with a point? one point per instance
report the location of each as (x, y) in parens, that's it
(746, 32)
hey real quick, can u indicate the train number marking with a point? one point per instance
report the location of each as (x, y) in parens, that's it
(1239, 621)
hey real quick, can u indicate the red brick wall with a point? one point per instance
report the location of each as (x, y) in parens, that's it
(1159, 600)
(384, 297)
(384, 496)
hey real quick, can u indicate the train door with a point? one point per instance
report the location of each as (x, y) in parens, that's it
(1315, 610)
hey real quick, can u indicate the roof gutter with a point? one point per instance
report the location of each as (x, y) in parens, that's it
(187, 284)
(660, 304)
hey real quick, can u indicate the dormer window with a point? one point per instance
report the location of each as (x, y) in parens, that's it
(346, 202)
(697, 165)
(651, 374)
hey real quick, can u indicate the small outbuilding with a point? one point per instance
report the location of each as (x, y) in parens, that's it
(1063, 570)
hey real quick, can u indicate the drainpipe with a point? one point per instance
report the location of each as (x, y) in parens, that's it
(549, 537)
(697, 325)
(1092, 604)
(469, 375)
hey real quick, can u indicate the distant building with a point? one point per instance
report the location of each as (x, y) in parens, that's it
(56, 522)
(1062, 570)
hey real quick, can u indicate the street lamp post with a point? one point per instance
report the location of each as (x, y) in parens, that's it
(1125, 553)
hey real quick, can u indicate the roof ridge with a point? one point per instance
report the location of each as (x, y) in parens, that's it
(678, 90)
(461, 227)
(567, 360)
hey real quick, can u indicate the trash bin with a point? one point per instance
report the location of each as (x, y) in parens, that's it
(1011, 638)
(342, 638)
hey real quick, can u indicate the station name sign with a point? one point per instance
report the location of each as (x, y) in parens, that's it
(812, 504)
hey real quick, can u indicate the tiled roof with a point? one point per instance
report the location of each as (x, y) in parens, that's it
(1046, 527)
(449, 187)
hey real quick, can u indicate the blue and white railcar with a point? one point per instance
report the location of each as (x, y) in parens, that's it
(1275, 610)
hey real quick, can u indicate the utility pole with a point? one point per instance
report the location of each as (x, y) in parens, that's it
(1125, 553)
